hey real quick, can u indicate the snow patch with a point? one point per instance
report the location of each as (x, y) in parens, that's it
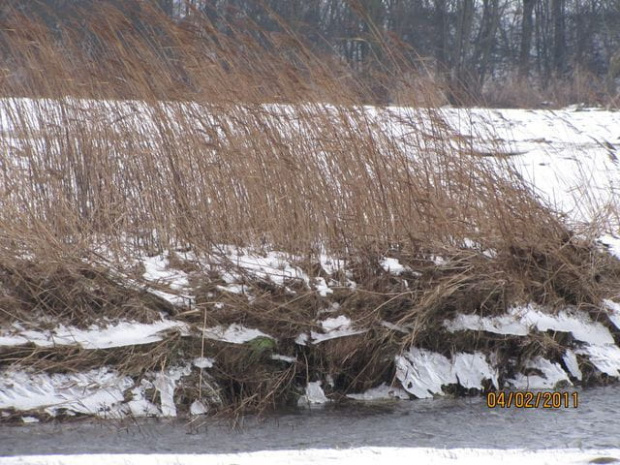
(95, 392)
(472, 369)
(612, 243)
(165, 382)
(381, 392)
(234, 334)
(552, 374)
(314, 394)
(283, 358)
(198, 408)
(423, 373)
(505, 324)
(606, 358)
(321, 287)
(520, 320)
(334, 328)
(393, 266)
(571, 362)
(614, 311)
(203, 362)
(124, 333)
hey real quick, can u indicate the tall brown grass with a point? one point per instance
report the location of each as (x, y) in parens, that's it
(170, 135)
(173, 134)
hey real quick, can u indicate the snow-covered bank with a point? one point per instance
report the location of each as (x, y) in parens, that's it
(419, 372)
(361, 456)
(441, 316)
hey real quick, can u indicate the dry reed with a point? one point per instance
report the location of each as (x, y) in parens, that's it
(140, 133)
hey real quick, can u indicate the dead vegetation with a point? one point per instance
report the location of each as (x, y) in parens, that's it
(172, 141)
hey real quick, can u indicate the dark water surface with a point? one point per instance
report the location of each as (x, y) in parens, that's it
(444, 423)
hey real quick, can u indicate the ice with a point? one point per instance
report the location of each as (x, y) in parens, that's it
(520, 320)
(314, 394)
(571, 362)
(198, 408)
(578, 323)
(120, 334)
(165, 382)
(606, 358)
(472, 369)
(93, 392)
(552, 374)
(423, 373)
(381, 392)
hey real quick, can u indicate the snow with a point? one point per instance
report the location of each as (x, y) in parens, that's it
(314, 394)
(392, 265)
(234, 334)
(606, 358)
(423, 373)
(121, 334)
(381, 392)
(563, 153)
(283, 358)
(393, 327)
(92, 392)
(571, 362)
(357, 456)
(614, 311)
(233, 288)
(569, 158)
(158, 272)
(101, 392)
(321, 287)
(595, 341)
(203, 362)
(579, 324)
(612, 243)
(504, 324)
(334, 328)
(139, 406)
(552, 374)
(520, 320)
(472, 369)
(271, 266)
(198, 408)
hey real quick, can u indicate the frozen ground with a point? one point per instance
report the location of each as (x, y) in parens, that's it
(361, 456)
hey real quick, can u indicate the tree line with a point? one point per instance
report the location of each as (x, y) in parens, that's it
(469, 45)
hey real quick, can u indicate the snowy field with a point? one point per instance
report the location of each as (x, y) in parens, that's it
(361, 456)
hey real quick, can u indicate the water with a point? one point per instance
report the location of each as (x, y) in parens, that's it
(442, 423)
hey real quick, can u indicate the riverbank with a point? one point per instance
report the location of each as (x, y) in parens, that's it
(479, 260)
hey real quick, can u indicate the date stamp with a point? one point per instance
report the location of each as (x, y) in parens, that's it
(532, 399)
